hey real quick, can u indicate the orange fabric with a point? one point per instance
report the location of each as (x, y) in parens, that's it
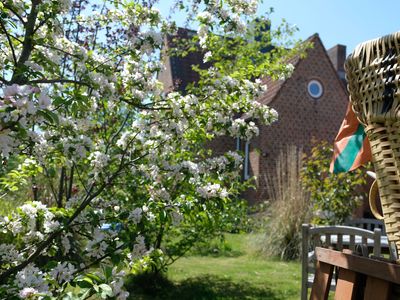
(347, 130)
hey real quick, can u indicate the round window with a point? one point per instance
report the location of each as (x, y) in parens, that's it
(315, 89)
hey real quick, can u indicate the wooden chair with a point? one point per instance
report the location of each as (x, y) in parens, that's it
(367, 223)
(357, 277)
(338, 238)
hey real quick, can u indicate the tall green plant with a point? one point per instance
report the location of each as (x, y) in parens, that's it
(290, 206)
(334, 196)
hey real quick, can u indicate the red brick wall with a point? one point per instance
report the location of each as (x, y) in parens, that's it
(301, 117)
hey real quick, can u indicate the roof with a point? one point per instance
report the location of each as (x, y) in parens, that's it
(182, 73)
(274, 86)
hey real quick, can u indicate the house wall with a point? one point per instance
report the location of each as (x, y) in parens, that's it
(301, 117)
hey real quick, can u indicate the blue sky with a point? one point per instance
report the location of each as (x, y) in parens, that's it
(346, 22)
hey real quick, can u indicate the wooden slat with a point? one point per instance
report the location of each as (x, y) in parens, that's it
(328, 240)
(377, 242)
(322, 281)
(339, 243)
(346, 287)
(377, 289)
(352, 244)
(382, 270)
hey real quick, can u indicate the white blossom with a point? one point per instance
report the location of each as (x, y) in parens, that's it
(31, 277)
(28, 292)
(63, 272)
(135, 215)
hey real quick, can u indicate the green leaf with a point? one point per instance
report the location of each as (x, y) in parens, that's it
(106, 291)
(94, 277)
(85, 294)
(51, 117)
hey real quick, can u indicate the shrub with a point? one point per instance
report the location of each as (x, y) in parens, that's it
(333, 195)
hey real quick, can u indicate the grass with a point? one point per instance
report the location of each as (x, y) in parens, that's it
(240, 276)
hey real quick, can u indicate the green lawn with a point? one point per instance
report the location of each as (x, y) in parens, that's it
(233, 274)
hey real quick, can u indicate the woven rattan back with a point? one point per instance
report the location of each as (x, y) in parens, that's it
(373, 74)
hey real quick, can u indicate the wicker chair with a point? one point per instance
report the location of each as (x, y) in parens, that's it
(373, 74)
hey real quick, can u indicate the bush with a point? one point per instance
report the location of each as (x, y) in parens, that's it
(333, 195)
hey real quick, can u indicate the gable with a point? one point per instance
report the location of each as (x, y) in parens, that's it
(300, 116)
(317, 59)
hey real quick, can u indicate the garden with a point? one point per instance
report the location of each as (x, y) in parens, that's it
(107, 190)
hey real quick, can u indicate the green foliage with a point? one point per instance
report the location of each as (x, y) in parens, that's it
(334, 196)
(149, 284)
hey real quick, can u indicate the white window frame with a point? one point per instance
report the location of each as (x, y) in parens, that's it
(320, 86)
(246, 169)
(246, 163)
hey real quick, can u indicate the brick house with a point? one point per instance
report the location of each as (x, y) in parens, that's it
(310, 104)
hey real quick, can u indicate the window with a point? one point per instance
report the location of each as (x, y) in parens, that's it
(315, 89)
(246, 163)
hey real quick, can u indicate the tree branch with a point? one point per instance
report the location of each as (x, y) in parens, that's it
(96, 261)
(27, 46)
(10, 8)
(61, 187)
(9, 40)
(63, 51)
(71, 181)
(50, 182)
(60, 80)
(80, 179)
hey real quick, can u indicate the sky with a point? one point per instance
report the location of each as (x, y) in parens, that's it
(346, 22)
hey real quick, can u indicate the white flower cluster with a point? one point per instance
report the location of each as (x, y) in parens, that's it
(98, 244)
(19, 109)
(139, 249)
(77, 147)
(287, 72)
(9, 254)
(237, 158)
(28, 292)
(98, 160)
(31, 280)
(205, 17)
(135, 215)
(63, 272)
(202, 33)
(263, 112)
(247, 7)
(31, 212)
(212, 191)
(117, 285)
(241, 128)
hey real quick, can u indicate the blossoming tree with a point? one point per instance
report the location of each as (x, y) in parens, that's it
(112, 169)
